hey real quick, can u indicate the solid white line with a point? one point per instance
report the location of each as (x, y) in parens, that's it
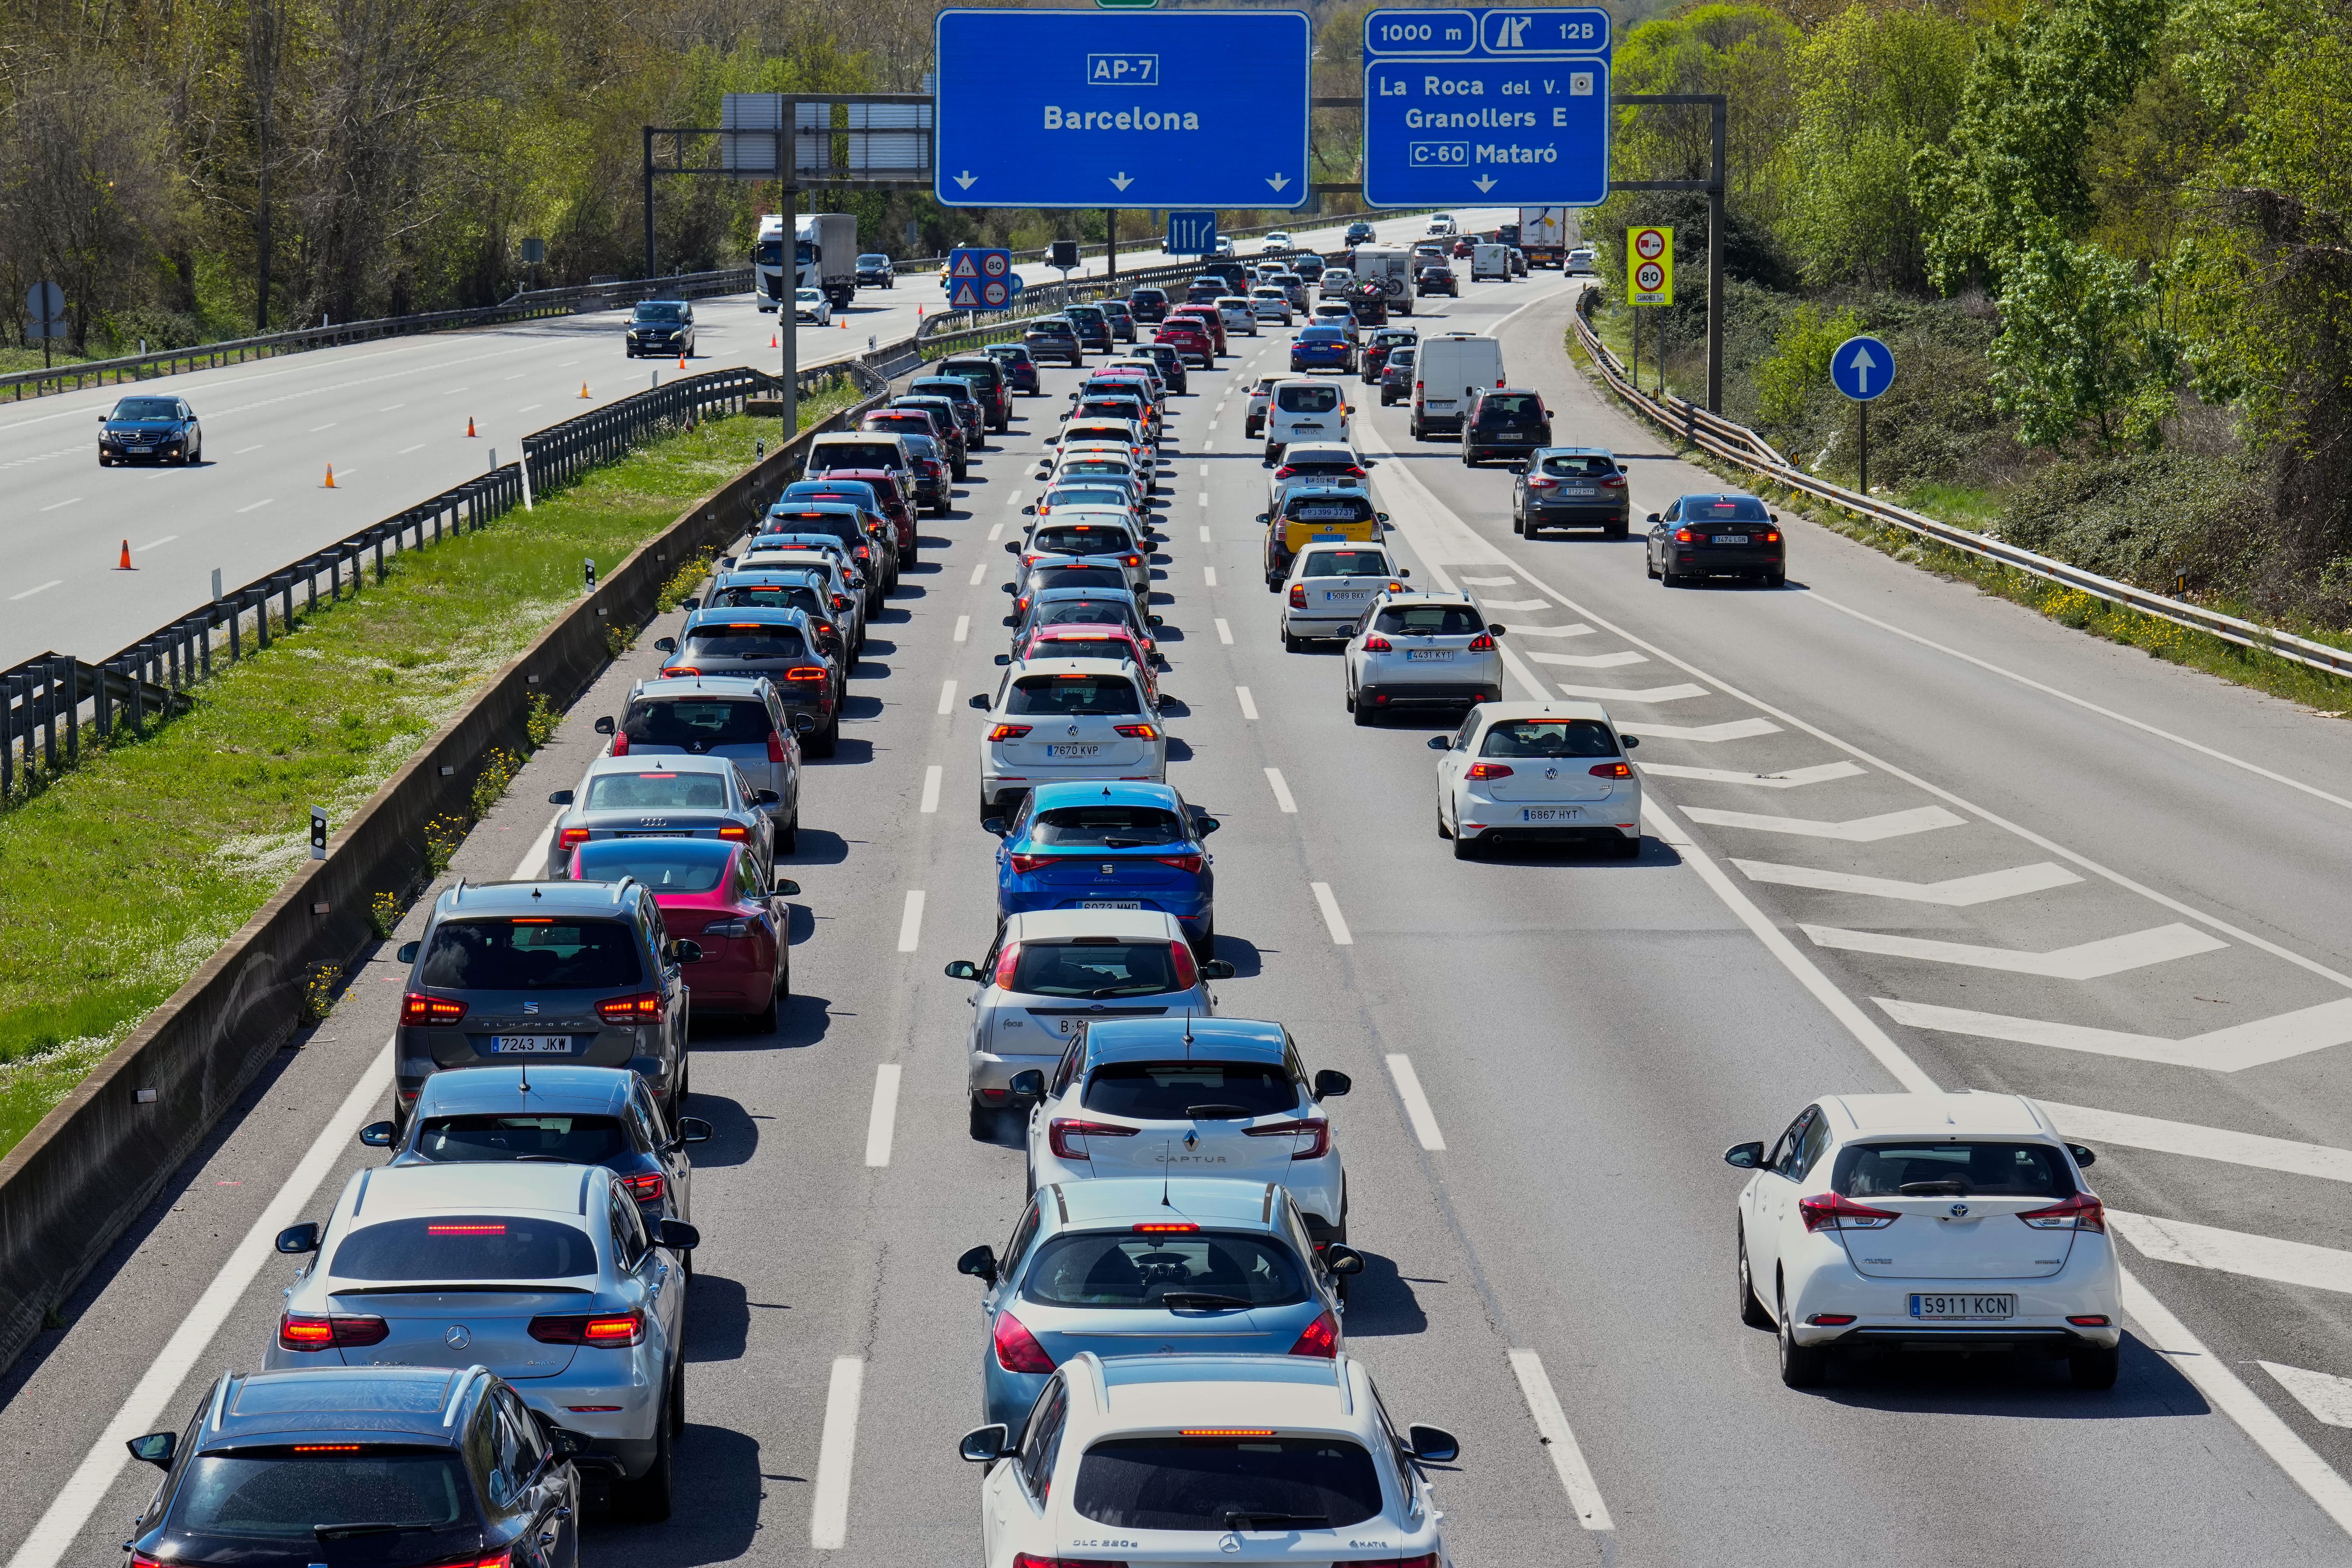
(257, 506)
(2235, 1251)
(947, 695)
(1678, 692)
(1736, 730)
(1552, 1426)
(1578, 630)
(1820, 772)
(1332, 916)
(1588, 660)
(963, 627)
(1282, 798)
(405, 451)
(152, 543)
(391, 407)
(1224, 632)
(328, 425)
(529, 406)
(154, 1402)
(1416, 1104)
(2255, 1043)
(2201, 1143)
(883, 1116)
(829, 1513)
(76, 501)
(241, 451)
(977, 573)
(932, 776)
(1249, 705)
(1209, 575)
(911, 922)
(26, 594)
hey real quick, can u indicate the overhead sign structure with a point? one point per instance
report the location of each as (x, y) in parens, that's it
(982, 280)
(1501, 105)
(1191, 234)
(1123, 108)
(1650, 266)
(1863, 368)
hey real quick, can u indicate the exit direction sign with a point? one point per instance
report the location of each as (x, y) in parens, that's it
(1506, 107)
(1191, 234)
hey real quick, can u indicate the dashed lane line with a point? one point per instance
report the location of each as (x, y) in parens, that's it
(947, 695)
(963, 629)
(829, 1507)
(932, 776)
(1282, 798)
(1249, 704)
(978, 572)
(884, 1117)
(1332, 918)
(26, 594)
(910, 921)
(1209, 575)
(1560, 1442)
(1416, 1104)
(1224, 631)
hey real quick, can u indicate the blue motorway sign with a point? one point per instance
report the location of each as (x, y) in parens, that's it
(982, 280)
(1504, 107)
(1863, 368)
(1123, 108)
(1191, 234)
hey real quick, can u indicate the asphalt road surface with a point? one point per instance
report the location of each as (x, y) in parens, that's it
(1550, 1052)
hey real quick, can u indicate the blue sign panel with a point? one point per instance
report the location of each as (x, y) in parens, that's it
(1191, 234)
(1509, 107)
(981, 279)
(1110, 109)
(1863, 368)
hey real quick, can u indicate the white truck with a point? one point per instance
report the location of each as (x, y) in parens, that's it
(1544, 235)
(824, 255)
(1490, 261)
(1449, 370)
(1389, 268)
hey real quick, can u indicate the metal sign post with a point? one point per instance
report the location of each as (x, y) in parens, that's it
(1503, 106)
(1863, 368)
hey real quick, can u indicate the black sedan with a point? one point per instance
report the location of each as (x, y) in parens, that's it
(1569, 487)
(875, 271)
(163, 428)
(1438, 279)
(1727, 535)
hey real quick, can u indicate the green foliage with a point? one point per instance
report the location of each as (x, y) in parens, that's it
(2150, 518)
(1800, 364)
(543, 721)
(2081, 352)
(499, 769)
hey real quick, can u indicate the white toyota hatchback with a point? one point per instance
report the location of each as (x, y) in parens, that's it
(1926, 1222)
(1192, 1460)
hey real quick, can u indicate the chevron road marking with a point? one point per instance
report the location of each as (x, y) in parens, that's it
(1588, 660)
(1820, 773)
(1579, 630)
(1489, 582)
(1515, 604)
(1641, 694)
(2325, 1396)
(2235, 1251)
(1860, 830)
(2283, 1154)
(2233, 1050)
(2084, 961)
(1956, 892)
(1737, 729)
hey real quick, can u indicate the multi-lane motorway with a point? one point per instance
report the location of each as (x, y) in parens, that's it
(1900, 835)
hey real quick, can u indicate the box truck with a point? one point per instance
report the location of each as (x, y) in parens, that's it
(1544, 235)
(824, 255)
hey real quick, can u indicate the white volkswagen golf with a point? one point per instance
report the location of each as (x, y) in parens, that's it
(1537, 773)
(1926, 1222)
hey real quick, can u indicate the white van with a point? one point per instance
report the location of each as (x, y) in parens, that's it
(1448, 373)
(1304, 410)
(1490, 261)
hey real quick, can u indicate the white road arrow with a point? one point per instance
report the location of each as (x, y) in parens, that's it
(1484, 182)
(2084, 961)
(1121, 180)
(1955, 893)
(1278, 180)
(1820, 773)
(1737, 729)
(1585, 660)
(2325, 1396)
(1646, 694)
(964, 180)
(1861, 830)
(1862, 365)
(2242, 1046)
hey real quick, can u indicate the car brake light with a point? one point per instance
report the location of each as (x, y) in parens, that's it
(1321, 1338)
(2081, 1211)
(1181, 862)
(805, 672)
(1378, 645)
(573, 838)
(1685, 536)
(676, 669)
(1831, 1320)
(613, 1329)
(1613, 482)
(1187, 974)
(1488, 771)
(1138, 731)
(1007, 962)
(1481, 643)
(642, 1007)
(416, 1007)
(1017, 1349)
(734, 833)
(1543, 484)
(1024, 864)
(646, 1187)
(1165, 1227)
(1008, 732)
(1297, 595)
(1611, 771)
(1062, 1129)
(775, 746)
(1317, 1132)
(308, 1331)
(1836, 1211)
(2090, 1321)
(1771, 538)
(620, 742)
(1284, 471)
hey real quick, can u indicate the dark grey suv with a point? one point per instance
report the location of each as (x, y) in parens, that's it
(564, 972)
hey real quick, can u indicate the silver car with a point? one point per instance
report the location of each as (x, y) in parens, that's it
(544, 1273)
(740, 719)
(1057, 720)
(1271, 304)
(673, 796)
(1422, 650)
(1335, 281)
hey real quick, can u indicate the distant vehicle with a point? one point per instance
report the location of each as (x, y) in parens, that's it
(1358, 233)
(1441, 223)
(1276, 243)
(1490, 261)
(810, 305)
(1543, 234)
(1580, 259)
(163, 428)
(1224, 245)
(1451, 371)
(660, 327)
(1389, 268)
(875, 271)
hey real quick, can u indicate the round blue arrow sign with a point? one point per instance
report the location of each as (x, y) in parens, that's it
(1863, 368)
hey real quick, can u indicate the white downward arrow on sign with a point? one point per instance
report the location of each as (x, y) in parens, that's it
(1484, 182)
(1862, 365)
(965, 179)
(1279, 181)
(1121, 180)
(2084, 961)
(2257, 1044)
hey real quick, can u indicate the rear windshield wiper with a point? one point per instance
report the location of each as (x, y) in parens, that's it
(1237, 1520)
(1201, 1300)
(372, 1527)
(1949, 1187)
(1219, 1112)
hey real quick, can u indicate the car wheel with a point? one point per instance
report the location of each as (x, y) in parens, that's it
(763, 1021)
(829, 740)
(1290, 644)
(1776, 579)
(789, 838)
(646, 1499)
(1443, 831)
(981, 1121)
(1465, 848)
(677, 1397)
(1615, 532)
(1365, 715)
(1519, 525)
(2094, 1368)
(1751, 1310)
(1801, 1366)
(1629, 848)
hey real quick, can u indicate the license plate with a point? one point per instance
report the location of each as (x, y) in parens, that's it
(674, 833)
(535, 1045)
(1111, 904)
(1307, 425)
(1339, 596)
(1082, 750)
(1731, 539)
(1509, 434)
(1427, 654)
(1326, 514)
(1579, 490)
(136, 449)
(1960, 1306)
(1550, 814)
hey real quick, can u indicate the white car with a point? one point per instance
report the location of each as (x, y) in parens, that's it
(1547, 773)
(1067, 718)
(1271, 304)
(1193, 1097)
(1926, 1222)
(1224, 245)
(1441, 223)
(811, 305)
(1261, 1459)
(1255, 405)
(1335, 281)
(1329, 587)
(1276, 243)
(1239, 315)
(1422, 650)
(1581, 259)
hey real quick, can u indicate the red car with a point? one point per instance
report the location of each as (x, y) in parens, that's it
(896, 504)
(710, 892)
(1189, 338)
(1107, 639)
(1212, 320)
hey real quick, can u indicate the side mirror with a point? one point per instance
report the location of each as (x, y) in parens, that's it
(1028, 511)
(1265, 517)
(1432, 1444)
(983, 1443)
(2083, 1156)
(686, 951)
(1151, 621)
(979, 698)
(408, 953)
(1013, 547)
(1518, 467)
(962, 969)
(299, 1239)
(678, 1236)
(1002, 659)
(1029, 1085)
(980, 1263)
(1341, 1259)
(1216, 969)
(665, 644)
(1006, 587)
(1331, 1084)
(1404, 570)
(605, 725)
(1206, 824)
(1440, 744)
(766, 797)
(376, 1135)
(559, 797)
(995, 825)
(982, 701)
(1494, 628)
(1744, 1156)
(1629, 741)
(786, 887)
(156, 1447)
(693, 1130)
(1654, 517)
(1772, 517)
(804, 723)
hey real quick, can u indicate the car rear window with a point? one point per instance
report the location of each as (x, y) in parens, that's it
(1051, 328)
(1109, 826)
(772, 597)
(1079, 577)
(1150, 297)
(530, 954)
(1064, 645)
(1429, 620)
(1080, 539)
(853, 455)
(1579, 466)
(275, 1497)
(690, 720)
(1121, 1269)
(465, 1246)
(1346, 564)
(664, 865)
(1110, 694)
(1086, 495)
(655, 791)
(1095, 970)
(1322, 336)
(1402, 358)
(950, 387)
(1167, 1091)
(1226, 1483)
(1925, 1169)
(1095, 465)
(1509, 408)
(743, 640)
(1067, 611)
(1723, 508)
(1084, 313)
(1549, 737)
(905, 421)
(1306, 399)
(574, 1139)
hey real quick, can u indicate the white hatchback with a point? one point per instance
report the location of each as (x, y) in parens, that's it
(1926, 1222)
(1537, 773)
(1239, 315)
(1329, 587)
(1058, 719)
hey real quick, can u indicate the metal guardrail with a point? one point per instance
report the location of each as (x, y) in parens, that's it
(1738, 444)
(532, 305)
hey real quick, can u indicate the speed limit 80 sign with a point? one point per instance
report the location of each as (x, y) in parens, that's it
(1650, 266)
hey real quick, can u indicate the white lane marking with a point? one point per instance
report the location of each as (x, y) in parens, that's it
(910, 921)
(2169, 1337)
(829, 1511)
(2285, 1154)
(1203, 499)
(884, 1117)
(977, 573)
(1859, 830)
(1204, 471)
(154, 1402)
(1489, 582)
(963, 627)
(1204, 535)
(1552, 1426)
(947, 695)
(26, 594)
(1587, 660)
(1737, 729)
(257, 506)
(996, 534)
(533, 864)
(1953, 893)
(76, 501)
(1820, 772)
(2084, 961)
(932, 776)
(392, 407)
(1209, 575)
(1282, 796)
(1012, 500)
(1514, 604)
(2219, 756)
(1224, 631)
(529, 406)
(1416, 1104)
(2233, 1050)
(241, 451)
(328, 425)
(153, 543)
(1331, 915)
(2235, 1251)
(1578, 630)
(2327, 1398)
(518, 376)
(1249, 704)
(1675, 694)
(405, 451)
(1212, 426)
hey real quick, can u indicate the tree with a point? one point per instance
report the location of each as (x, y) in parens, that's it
(2081, 352)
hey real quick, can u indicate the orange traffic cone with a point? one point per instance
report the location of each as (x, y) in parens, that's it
(919, 313)
(681, 362)
(330, 478)
(842, 322)
(469, 427)
(583, 389)
(775, 339)
(124, 564)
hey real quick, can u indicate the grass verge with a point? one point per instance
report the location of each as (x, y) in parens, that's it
(120, 877)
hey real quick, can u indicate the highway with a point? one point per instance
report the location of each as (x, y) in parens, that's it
(1550, 1052)
(390, 418)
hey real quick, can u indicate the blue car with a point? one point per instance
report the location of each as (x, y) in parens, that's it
(1135, 1267)
(1111, 846)
(1322, 348)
